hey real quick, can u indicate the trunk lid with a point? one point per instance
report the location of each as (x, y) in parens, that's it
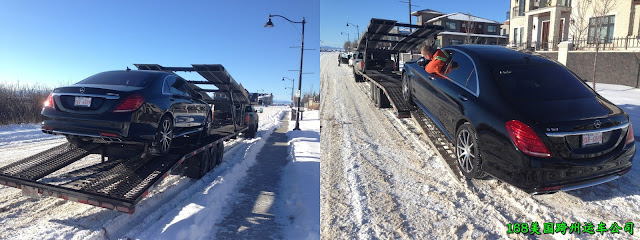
(90, 98)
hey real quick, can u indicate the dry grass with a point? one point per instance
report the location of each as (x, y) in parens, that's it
(21, 103)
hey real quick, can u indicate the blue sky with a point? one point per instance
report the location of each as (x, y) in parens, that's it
(59, 42)
(336, 13)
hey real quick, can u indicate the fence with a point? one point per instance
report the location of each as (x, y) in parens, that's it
(621, 43)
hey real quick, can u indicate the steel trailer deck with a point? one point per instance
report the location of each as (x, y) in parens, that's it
(117, 184)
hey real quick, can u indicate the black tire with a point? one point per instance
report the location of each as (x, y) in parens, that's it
(251, 132)
(213, 153)
(468, 152)
(356, 76)
(406, 90)
(220, 153)
(199, 165)
(76, 141)
(164, 135)
(204, 134)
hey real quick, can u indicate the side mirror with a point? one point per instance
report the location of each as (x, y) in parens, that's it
(422, 62)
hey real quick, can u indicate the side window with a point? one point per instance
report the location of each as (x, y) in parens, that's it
(465, 74)
(177, 87)
(167, 88)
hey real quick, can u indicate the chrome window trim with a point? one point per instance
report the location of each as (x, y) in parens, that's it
(87, 95)
(563, 134)
(475, 68)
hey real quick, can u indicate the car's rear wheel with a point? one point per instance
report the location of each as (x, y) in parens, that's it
(468, 152)
(406, 92)
(164, 135)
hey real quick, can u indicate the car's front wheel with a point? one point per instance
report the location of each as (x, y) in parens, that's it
(406, 91)
(164, 135)
(468, 152)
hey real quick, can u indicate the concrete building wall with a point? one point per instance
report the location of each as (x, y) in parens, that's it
(621, 68)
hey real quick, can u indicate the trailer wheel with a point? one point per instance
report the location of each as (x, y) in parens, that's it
(213, 153)
(199, 165)
(220, 153)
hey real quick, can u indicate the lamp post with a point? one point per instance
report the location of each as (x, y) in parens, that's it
(292, 87)
(357, 29)
(270, 24)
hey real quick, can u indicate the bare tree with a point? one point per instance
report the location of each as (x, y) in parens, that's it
(470, 28)
(600, 10)
(347, 46)
(579, 23)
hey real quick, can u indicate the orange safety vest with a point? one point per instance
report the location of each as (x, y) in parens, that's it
(438, 62)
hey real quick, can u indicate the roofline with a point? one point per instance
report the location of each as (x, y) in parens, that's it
(439, 17)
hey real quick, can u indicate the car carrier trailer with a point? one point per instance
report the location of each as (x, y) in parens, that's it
(383, 39)
(126, 173)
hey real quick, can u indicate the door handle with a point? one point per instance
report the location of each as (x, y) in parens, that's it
(462, 97)
(171, 99)
(432, 78)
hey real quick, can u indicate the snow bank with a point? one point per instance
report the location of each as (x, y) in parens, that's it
(195, 218)
(300, 186)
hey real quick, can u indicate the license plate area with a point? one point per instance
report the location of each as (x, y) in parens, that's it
(82, 102)
(591, 138)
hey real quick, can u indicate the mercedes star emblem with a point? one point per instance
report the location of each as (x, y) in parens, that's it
(82, 90)
(597, 124)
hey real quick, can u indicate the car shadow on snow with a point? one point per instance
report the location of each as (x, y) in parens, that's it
(623, 187)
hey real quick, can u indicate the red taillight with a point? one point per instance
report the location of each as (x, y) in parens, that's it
(130, 104)
(361, 65)
(109, 134)
(630, 137)
(246, 119)
(49, 102)
(526, 139)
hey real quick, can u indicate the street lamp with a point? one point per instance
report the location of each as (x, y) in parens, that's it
(270, 24)
(357, 29)
(292, 87)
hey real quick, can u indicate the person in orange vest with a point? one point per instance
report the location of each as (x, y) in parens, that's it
(440, 61)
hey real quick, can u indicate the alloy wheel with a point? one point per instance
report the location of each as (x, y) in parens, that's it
(465, 151)
(166, 135)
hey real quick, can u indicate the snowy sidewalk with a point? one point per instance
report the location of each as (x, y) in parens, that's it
(254, 215)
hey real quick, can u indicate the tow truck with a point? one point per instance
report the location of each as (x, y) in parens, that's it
(126, 173)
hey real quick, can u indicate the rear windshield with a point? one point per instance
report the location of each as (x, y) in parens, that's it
(130, 78)
(535, 82)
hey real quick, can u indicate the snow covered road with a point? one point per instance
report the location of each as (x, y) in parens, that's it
(380, 179)
(177, 208)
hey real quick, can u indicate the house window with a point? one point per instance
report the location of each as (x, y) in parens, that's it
(605, 32)
(419, 19)
(521, 34)
(492, 29)
(515, 35)
(479, 26)
(451, 25)
(455, 42)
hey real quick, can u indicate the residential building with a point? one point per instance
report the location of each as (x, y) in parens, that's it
(504, 29)
(543, 24)
(461, 28)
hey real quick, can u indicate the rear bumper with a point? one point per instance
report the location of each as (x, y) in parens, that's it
(110, 131)
(549, 176)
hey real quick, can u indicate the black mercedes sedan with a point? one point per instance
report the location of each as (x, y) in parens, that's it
(129, 107)
(523, 119)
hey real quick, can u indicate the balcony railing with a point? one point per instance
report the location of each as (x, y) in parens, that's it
(551, 3)
(621, 43)
(516, 12)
